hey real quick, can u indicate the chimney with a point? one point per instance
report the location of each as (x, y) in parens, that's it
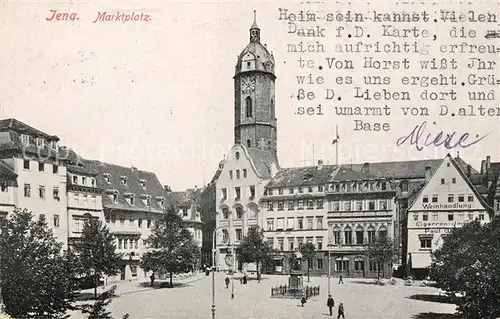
(320, 164)
(167, 188)
(483, 167)
(365, 168)
(488, 162)
(427, 173)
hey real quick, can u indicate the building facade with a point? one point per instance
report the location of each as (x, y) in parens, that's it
(448, 200)
(38, 165)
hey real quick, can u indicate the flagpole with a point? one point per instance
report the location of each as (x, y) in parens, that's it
(313, 155)
(337, 146)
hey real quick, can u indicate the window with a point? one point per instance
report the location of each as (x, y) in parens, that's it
(122, 220)
(280, 223)
(336, 237)
(319, 243)
(310, 189)
(239, 234)
(252, 191)
(270, 191)
(371, 205)
(382, 232)
(25, 139)
(281, 205)
(415, 216)
(41, 192)
(280, 191)
(309, 223)
(107, 178)
(290, 243)
(148, 223)
(225, 213)
(290, 191)
(347, 206)
(335, 206)
(115, 197)
(290, 205)
(442, 181)
(404, 186)
(84, 181)
(26, 164)
(224, 193)
(320, 203)
(289, 222)
(230, 174)
(40, 142)
(301, 190)
(461, 216)
(434, 198)
(450, 217)
(239, 212)
(359, 264)
(248, 107)
(136, 245)
(425, 243)
(319, 223)
(120, 243)
(383, 204)
(371, 235)
(270, 224)
(359, 205)
(300, 204)
(461, 198)
(451, 198)
(481, 216)
(55, 193)
(132, 200)
(425, 217)
(249, 143)
(237, 155)
(348, 236)
(238, 192)
(244, 173)
(4, 186)
(359, 236)
(300, 223)
(75, 179)
(310, 204)
(453, 180)
(470, 198)
(281, 244)
(55, 169)
(184, 212)
(139, 222)
(341, 265)
(425, 199)
(238, 174)
(270, 206)
(434, 216)
(320, 188)
(300, 241)
(41, 167)
(77, 198)
(56, 220)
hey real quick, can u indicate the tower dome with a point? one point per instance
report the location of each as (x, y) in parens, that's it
(255, 56)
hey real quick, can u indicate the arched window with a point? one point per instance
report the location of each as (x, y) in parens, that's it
(249, 144)
(249, 108)
(382, 232)
(225, 213)
(239, 212)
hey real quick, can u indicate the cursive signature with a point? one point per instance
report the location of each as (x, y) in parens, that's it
(420, 138)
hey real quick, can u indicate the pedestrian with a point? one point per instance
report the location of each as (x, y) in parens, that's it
(330, 303)
(245, 279)
(341, 279)
(207, 271)
(227, 280)
(341, 311)
(152, 277)
(303, 300)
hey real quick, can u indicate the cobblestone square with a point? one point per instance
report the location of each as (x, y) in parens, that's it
(361, 299)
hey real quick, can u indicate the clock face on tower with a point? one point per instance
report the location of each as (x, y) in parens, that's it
(248, 84)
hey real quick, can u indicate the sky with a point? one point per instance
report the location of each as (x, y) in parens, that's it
(158, 95)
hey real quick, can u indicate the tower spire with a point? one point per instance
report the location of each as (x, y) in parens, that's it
(254, 29)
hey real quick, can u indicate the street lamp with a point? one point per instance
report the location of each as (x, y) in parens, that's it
(329, 269)
(213, 269)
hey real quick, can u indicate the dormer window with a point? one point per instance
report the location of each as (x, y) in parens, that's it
(53, 145)
(132, 200)
(25, 139)
(115, 197)
(75, 179)
(143, 183)
(84, 181)
(148, 201)
(92, 182)
(107, 178)
(124, 180)
(40, 142)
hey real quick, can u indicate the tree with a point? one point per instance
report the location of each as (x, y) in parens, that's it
(34, 270)
(96, 251)
(382, 250)
(254, 249)
(308, 253)
(173, 248)
(467, 268)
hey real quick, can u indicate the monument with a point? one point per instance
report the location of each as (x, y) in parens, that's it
(295, 282)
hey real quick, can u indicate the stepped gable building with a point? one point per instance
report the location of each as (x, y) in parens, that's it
(34, 159)
(448, 200)
(132, 200)
(252, 161)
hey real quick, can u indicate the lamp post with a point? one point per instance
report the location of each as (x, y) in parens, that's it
(329, 269)
(213, 269)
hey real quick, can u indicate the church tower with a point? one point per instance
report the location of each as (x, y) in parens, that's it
(254, 101)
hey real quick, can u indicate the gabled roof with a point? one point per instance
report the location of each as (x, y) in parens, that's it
(262, 160)
(20, 128)
(464, 177)
(153, 188)
(183, 198)
(407, 169)
(315, 175)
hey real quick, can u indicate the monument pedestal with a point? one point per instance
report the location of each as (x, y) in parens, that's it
(295, 282)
